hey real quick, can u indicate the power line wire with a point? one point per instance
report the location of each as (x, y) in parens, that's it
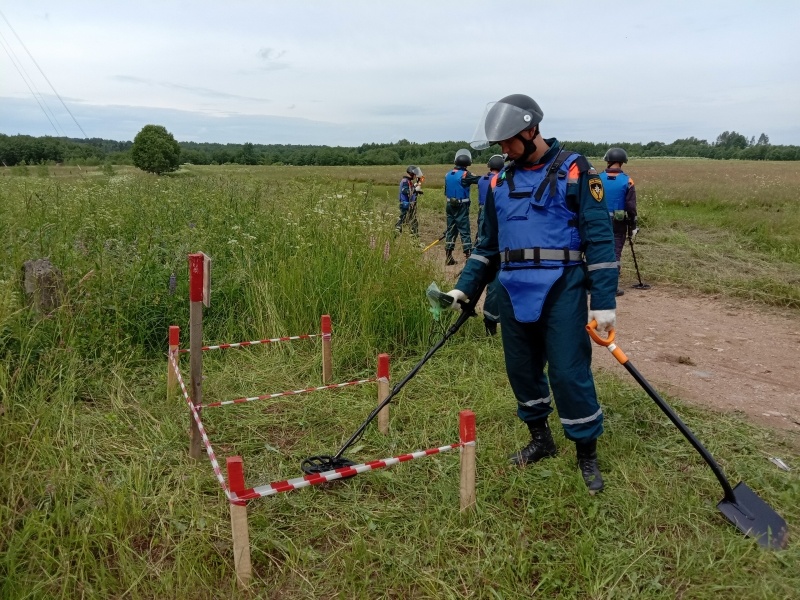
(25, 77)
(43, 75)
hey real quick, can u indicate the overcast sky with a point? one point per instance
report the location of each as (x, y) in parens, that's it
(349, 72)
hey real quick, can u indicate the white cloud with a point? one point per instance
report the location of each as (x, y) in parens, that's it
(354, 71)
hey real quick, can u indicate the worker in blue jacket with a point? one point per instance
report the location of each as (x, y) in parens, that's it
(547, 236)
(621, 199)
(456, 191)
(490, 315)
(410, 189)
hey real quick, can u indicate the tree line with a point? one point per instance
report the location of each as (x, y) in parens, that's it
(28, 150)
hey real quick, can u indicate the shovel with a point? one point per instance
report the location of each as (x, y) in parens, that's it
(741, 505)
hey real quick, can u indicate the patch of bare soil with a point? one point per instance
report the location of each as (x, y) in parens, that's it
(719, 353)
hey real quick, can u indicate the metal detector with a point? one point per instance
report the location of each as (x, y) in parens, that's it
(640, 285)
(740, 505)
(321, 463)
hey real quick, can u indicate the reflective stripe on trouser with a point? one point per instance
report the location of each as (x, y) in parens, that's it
(559, 340)
(620, 235)
(457, 222)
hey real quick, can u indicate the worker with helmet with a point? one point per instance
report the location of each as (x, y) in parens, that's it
(621, 198)
(490, 316)
(456, 191)
(547, 236)
(410, 189)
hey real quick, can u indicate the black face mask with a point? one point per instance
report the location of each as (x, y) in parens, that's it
(529, 148)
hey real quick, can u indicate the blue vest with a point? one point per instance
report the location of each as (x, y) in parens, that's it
(452, 184)
(483, 187)
(406, 193)
(615, 188)
(525, 222)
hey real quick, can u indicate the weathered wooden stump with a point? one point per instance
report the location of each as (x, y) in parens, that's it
(43, 284)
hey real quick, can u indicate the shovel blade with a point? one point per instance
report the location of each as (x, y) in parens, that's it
(641, 286)
(755, 518)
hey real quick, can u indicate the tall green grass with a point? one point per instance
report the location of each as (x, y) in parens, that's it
(99, 497)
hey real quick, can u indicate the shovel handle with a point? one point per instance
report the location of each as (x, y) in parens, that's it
(592, 329)
(608, 342)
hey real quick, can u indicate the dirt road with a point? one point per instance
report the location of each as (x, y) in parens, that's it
(723, 354)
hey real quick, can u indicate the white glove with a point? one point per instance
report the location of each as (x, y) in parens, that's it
(417, 187)
(606, 319)
(457, 295)
(634, 232)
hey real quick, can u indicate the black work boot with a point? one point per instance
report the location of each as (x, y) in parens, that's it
(541, 445)
(620, 292)
(448, 258)
(587, 463)
(491, 327)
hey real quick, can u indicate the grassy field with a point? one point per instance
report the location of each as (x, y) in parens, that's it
(98, 498)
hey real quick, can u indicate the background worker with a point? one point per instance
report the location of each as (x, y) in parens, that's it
(547, 236)
(621, 198)
(456, 191)
(491, 316)
(410, 188)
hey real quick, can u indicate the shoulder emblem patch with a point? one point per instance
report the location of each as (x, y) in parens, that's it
(596, 188)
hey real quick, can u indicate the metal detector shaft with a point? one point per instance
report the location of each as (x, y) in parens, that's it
(467, 310)
(636, 264)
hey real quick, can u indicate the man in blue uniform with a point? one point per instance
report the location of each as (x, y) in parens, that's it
(621, 199)
(456, 191)
(410, 188)
(490, 315)
(547, 235)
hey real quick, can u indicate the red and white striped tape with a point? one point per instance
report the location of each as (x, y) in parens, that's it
(300, 482)
(288, 338)
(206, 441)
(289, 393)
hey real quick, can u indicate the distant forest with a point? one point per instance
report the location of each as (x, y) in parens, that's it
(27, 150)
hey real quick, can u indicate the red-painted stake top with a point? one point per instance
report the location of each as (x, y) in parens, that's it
(466, 426)
(383, 366)
(196, 277)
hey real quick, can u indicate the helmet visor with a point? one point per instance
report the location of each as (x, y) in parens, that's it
(500, 121)
(415, 171)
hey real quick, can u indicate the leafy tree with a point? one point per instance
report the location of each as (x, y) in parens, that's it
(732, 140)
(763, 140)
(155, 150)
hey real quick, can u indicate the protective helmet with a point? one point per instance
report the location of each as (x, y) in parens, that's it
(506, 118)
(616, 155)
(496, 162)
(414, 171)
(463, 158)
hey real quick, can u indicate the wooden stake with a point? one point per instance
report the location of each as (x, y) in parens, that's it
(174, 343)
(195, 347)
(239, 527)
(467, 434)
(383, 391)
(327, 361)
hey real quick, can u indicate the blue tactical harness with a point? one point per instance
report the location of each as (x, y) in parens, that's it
(615, 188)
(407, 197)
(537, 233)
(453, 188)
(483, 187)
